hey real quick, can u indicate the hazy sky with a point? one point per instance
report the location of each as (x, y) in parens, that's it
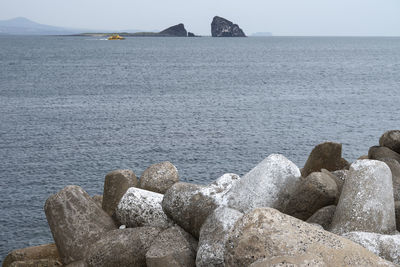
(281, 17)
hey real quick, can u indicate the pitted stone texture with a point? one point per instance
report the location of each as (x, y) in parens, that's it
(37, 263)
(115, 185)
(269, 184)
(172, 248)
(142, 208)
(127, 247)
(391, 139)
(213, 235)
(366, 203)
(327, 155)
(385, 246)
(48, 251)
(323, 216)
(159, 177)
(267, 233)
(381, 152)
(315, 191)
(189, 205)
(394, 166)
(77, 264)
(75, 221)
(98, 199)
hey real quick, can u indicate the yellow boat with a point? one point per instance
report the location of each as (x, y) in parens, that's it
(115, 37)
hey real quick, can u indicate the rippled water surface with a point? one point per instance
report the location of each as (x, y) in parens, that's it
(73, 109)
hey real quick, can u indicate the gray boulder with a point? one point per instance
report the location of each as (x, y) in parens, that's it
(314, 192)
(98, 199)
(189, 205)
(127, 247)
(173, 247)
(328, 156)
(159, 177)
(323, 216)
(385, 246)
(221, 27)
(381, 152)
(269, 184)
(37, 263)
(142, 208)
(338, 176)
(46, 252)
(213, 235)
(115, 185)
(75, 221)
(394, 166)
(267, 235)
(397, 212)
(366, 203)
(391, 139)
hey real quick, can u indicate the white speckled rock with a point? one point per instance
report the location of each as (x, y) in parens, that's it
(275, 238)
(189, 205)
(213, 235)
(366, 203)
(385, 246)
(142, 208)
(269, 184)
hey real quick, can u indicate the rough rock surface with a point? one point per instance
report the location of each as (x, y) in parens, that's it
(173, 247)
(98, 199)
(267, 233)
(391, 139)
(115, 185)
(142, 208)
(323, 216)
(48, 251)
(77, 264)
(381, 152)
(366, 203)
(385, 246)
(175, 31)
(327, 155)
(315, 191)
(269, 184)
(394, 166)
(75, 221)
(127, 247)
(213, 235)
(397, 212)
(221, 27)
(159, 177)
(189, 205)
(36, 263)
(338, 176)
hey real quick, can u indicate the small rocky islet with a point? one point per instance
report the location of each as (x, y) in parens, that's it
(330, 213)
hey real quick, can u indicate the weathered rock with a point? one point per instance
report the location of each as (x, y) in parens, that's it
(175, 31)
(173, 247)
(159, 177)
(189, 205)
(323, 216)
(338, 176)
(385, 246)
(77, 264)
(381, 152)
(140, 207)
(269, 184)
(363, 157)
(213, 235)
(47, 252)
(221, 27)
(37, 263)
(394, 166)
(397, 212)
(366, 203)
(75, 221)
(127, 247)
(267, 233)
(315, 191)
(327, 155)
(98, 199)
(115, 185)
(391, 139)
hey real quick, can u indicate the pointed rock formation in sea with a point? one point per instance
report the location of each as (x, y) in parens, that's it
(176, 31)
(221, 27)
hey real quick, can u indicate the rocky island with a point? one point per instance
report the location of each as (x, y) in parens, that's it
(221, 27)
(329, 213)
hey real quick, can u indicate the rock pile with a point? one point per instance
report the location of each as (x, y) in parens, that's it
(331, 213)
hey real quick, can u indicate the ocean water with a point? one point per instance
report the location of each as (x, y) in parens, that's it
(74, 108)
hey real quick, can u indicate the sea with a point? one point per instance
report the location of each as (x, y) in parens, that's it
(73, 109)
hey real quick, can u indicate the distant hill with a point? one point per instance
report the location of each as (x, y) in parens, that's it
(24, 26)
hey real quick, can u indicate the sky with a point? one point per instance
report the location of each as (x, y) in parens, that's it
(281, 17)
